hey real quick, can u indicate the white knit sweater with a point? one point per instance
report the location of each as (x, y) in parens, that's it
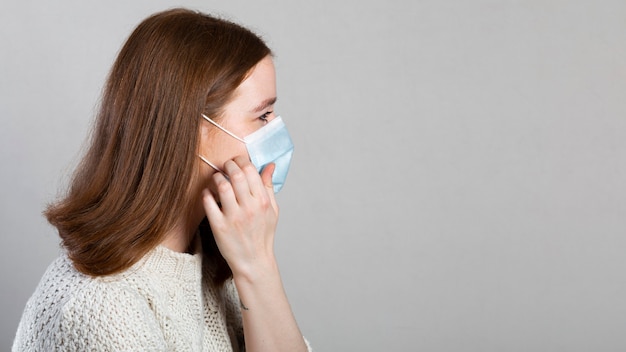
(159, 304)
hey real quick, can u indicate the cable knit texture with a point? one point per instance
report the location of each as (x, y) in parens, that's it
(159, 304)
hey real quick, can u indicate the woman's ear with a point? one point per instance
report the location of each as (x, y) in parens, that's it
(204, 127)
(205, 134)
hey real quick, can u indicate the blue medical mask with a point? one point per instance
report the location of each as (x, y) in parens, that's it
(269, 144)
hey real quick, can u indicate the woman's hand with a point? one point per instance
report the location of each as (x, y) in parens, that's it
(245, 224)
(244, 228)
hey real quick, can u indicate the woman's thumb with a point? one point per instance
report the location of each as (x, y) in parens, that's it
(266, 176)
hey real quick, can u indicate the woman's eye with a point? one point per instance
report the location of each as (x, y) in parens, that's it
(265, 116)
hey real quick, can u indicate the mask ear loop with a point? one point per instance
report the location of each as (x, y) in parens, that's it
(223, 129)
(214, 167)
(210, 163)
(227, 132)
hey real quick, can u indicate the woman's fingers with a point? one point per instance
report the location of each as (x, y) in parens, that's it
(266, 179)
(211, 208)
(254, 182)
(245, 224)
(266, 176)
(225, 192)
(238, 179)
(242, 185)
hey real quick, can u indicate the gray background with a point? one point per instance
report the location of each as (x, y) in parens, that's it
(458, 182)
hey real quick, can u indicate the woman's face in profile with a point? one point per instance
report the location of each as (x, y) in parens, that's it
(251, 108)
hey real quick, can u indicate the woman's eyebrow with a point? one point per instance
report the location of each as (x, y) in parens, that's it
(264, 104)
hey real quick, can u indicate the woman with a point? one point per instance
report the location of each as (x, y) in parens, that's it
(168, 225)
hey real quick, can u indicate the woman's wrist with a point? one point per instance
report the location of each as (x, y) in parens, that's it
(257, 272)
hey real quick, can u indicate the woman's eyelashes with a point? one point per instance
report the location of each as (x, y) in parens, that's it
(265, 116)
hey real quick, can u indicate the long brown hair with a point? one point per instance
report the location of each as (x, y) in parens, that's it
(134, 180)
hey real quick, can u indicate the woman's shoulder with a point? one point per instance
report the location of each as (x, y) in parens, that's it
(63, 288)
(62, 281)
(59, 283)
(69, 303)
(64, 291)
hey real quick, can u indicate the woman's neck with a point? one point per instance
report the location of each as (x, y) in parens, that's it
(181, 237)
